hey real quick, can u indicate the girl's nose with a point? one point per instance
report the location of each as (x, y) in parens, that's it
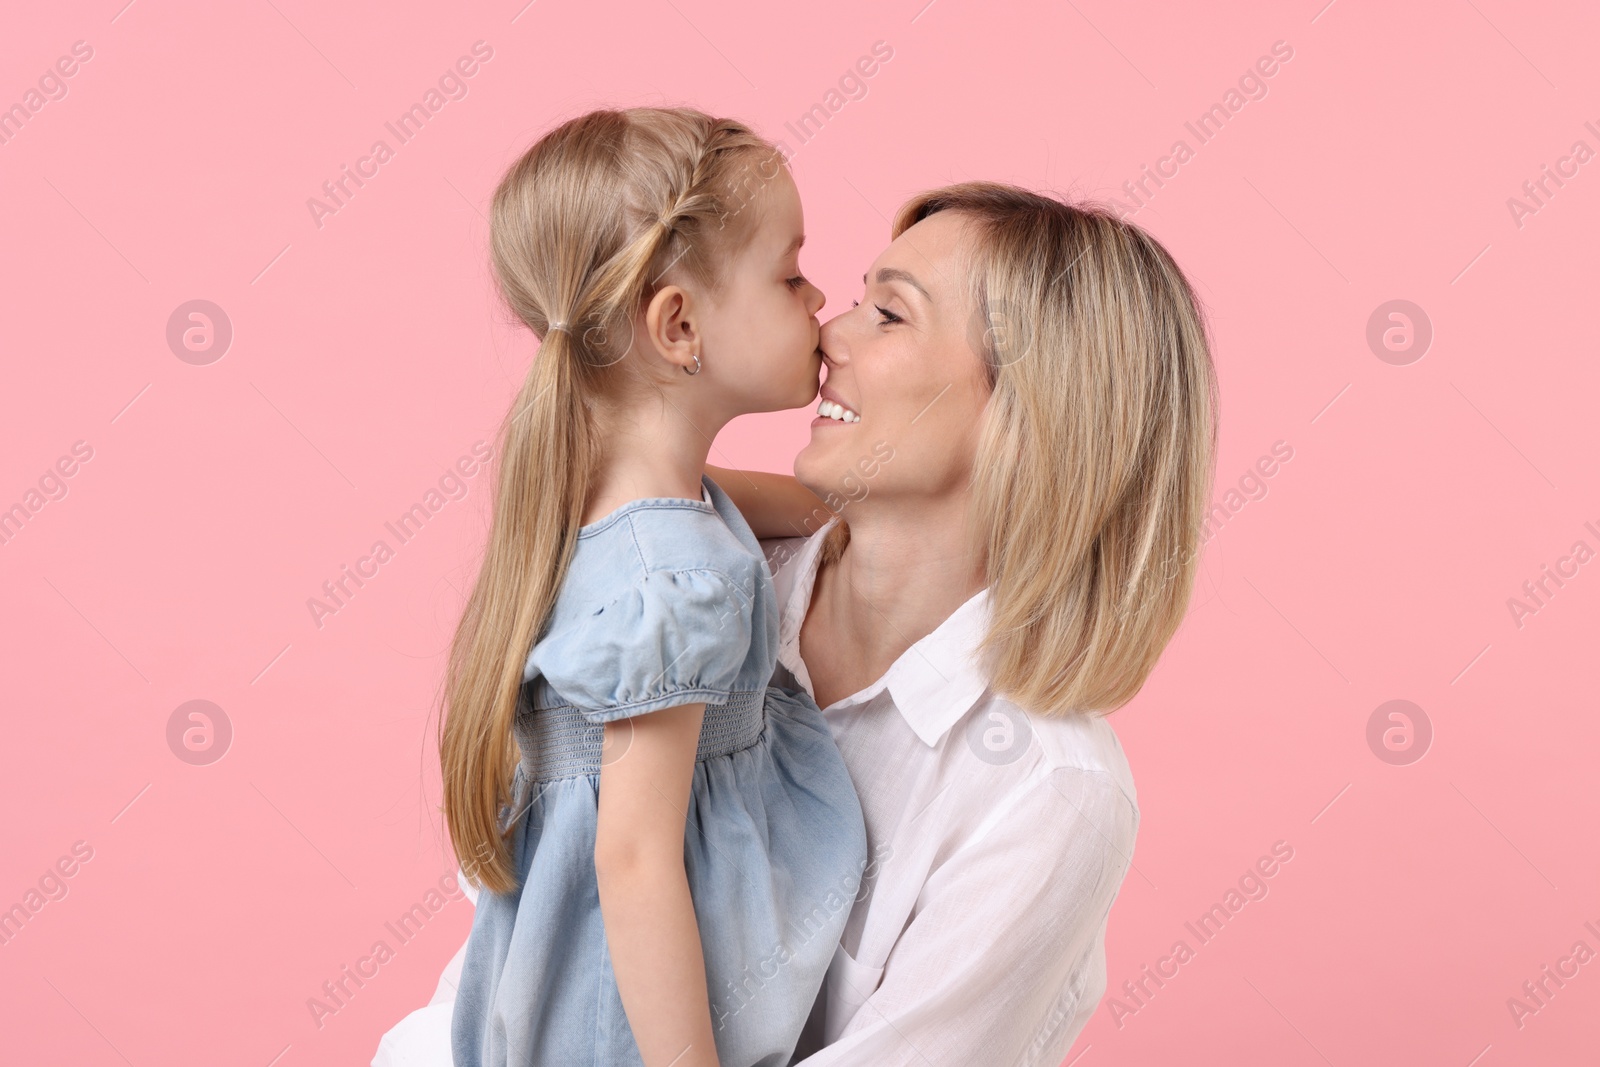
(819, 299)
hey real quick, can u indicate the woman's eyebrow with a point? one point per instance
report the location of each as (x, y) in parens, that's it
(888, 274)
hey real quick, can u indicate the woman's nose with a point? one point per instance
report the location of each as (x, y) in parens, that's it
(830, 340)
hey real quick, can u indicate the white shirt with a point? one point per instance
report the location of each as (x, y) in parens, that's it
(997, 841)
(999, 838)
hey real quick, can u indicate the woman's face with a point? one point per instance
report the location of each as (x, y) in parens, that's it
(902, 360)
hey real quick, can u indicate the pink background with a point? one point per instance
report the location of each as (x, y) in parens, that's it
(367, 356)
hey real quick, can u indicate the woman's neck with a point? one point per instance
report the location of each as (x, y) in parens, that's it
(901, 575)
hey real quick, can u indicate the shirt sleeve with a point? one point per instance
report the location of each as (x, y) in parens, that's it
(991, 967)
(672, 637)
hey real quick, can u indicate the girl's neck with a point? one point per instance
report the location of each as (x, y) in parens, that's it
(654, 449)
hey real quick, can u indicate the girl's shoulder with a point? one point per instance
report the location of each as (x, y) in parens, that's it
(658, 534)
(658, 607)
(651, 537)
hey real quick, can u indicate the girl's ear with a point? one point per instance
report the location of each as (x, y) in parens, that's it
(670, 325)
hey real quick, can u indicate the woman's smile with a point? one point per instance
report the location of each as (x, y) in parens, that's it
(833, 409)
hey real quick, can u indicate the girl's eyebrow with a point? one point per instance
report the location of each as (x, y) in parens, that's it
(795, 245)
(888, 274)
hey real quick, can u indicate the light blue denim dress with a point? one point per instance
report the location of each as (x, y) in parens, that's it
(668, 601)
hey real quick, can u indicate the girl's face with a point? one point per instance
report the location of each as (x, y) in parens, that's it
(901, 359)
(761, 331)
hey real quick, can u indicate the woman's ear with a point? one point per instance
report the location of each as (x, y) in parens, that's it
(671, 327)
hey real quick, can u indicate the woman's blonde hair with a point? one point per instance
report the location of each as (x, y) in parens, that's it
(583, 227)
(1094, 464)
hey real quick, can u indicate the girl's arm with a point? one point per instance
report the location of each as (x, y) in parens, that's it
(645, 776)
(775, 505)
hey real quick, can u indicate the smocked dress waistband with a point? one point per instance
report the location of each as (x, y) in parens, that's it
(564, 744)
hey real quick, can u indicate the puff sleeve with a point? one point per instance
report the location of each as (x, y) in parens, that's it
(673, 637)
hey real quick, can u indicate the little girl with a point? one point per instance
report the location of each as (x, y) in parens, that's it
(670, 847)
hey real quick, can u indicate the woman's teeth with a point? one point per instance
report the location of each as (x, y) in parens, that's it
(836, 411)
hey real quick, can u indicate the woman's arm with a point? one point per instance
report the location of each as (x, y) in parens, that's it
(645, 776)
(775, 505)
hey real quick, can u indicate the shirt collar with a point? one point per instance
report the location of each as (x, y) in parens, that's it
(934, 682)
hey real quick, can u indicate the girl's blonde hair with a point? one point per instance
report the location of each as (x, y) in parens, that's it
(583, 226)
(1094, 464)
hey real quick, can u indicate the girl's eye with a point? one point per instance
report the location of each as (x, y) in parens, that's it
(797, 282)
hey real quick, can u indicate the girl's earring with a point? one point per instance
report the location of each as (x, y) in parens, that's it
(696, 370)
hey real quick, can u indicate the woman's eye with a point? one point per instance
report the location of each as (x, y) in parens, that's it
(888, 316)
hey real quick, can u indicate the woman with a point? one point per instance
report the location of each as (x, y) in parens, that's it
(1019, 461)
